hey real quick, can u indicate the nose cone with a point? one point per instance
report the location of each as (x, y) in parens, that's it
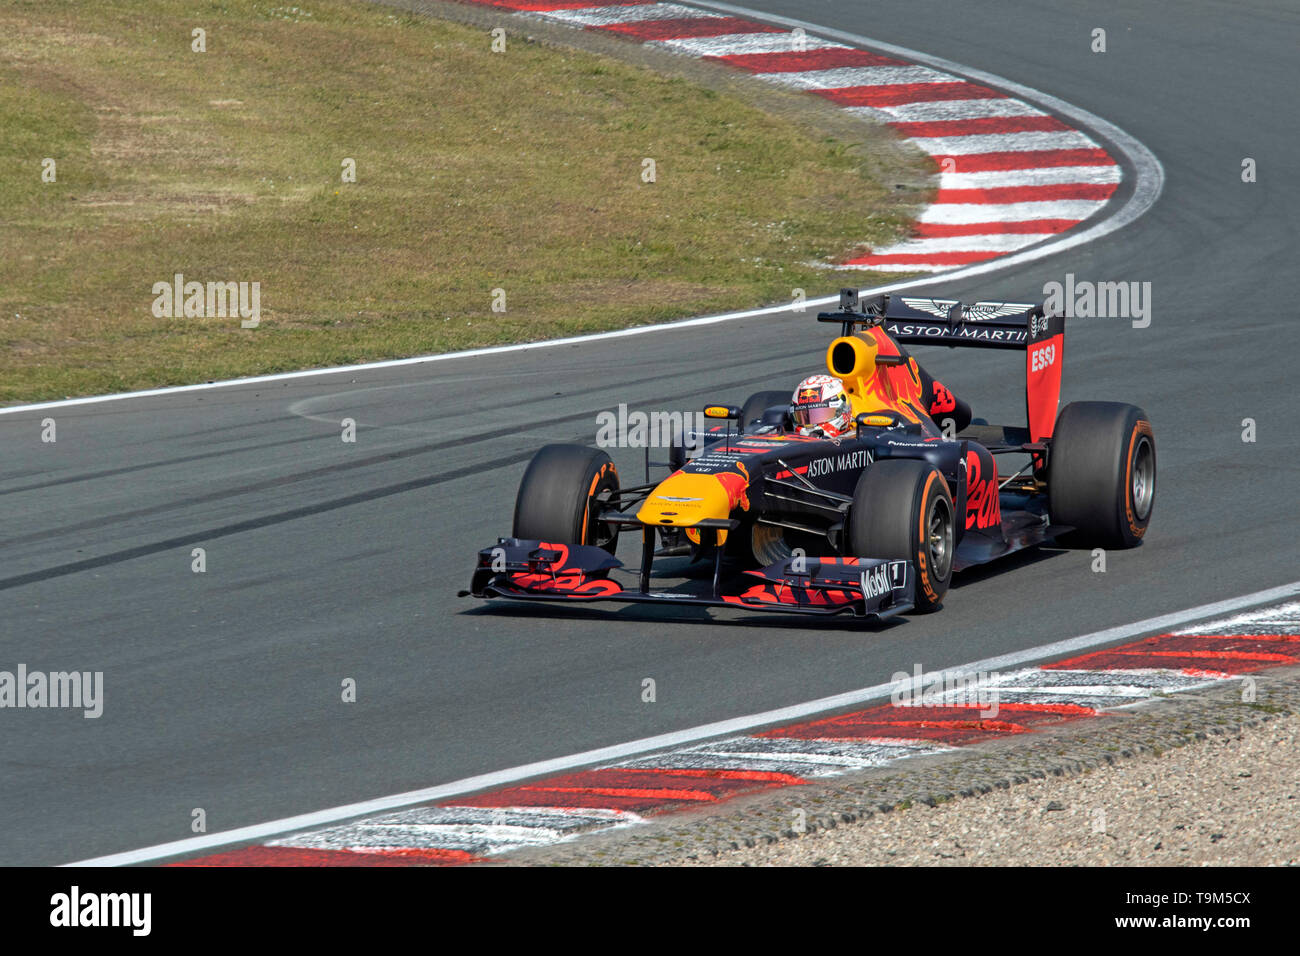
(683, 500)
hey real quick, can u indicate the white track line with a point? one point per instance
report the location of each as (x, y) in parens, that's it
(634, 748)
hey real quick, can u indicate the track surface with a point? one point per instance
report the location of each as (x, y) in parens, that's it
(329, 560)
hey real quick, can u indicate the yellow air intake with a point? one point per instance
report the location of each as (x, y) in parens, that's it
(853, 361)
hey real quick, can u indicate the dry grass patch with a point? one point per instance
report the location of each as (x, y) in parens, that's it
(475, 170)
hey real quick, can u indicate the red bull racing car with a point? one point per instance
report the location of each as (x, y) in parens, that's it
(797, 516)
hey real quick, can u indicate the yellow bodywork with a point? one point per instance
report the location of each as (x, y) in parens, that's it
(684, 500)
(872, 387)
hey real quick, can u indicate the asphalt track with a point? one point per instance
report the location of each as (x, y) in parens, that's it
(328, 560)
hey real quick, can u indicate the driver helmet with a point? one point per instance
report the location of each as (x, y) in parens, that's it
(821, 404)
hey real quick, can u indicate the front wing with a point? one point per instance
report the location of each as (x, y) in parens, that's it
(530, 570)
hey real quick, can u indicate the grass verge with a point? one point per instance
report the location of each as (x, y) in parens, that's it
(476, 171)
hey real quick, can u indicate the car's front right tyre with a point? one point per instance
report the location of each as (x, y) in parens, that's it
(561, 495)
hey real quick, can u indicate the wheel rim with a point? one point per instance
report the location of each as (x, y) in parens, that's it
(938, 542)
(1143, 485)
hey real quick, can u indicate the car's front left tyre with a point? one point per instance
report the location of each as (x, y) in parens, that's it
(902, 509)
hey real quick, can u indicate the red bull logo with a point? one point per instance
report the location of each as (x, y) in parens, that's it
(895, 387)
(736, 487)
(810, 395)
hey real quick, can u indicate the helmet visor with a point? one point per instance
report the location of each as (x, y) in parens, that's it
(815, 413)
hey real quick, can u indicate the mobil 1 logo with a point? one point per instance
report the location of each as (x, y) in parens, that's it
(875, 581)
(883, 578)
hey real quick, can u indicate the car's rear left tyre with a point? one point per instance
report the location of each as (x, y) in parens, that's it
(562, 492)
(1102, 473)
(902, 509)
(760, 402)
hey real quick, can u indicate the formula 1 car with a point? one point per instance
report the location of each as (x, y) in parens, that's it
(873, 522)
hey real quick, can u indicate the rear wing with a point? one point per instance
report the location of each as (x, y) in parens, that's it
(1022, 326)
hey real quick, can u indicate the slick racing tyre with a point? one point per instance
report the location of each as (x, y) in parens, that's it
(758, 403)
(1102, 473)
(562, 491)
(902, 509)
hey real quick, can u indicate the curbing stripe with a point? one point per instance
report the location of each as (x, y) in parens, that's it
(1281, 619)
(596, 15)
(1011, 212)
(801, 61)
(737, 44)
(649, 30)
(942, 114)
(568, 806)
(1039, 226)
(882, 97)
(476, 831)
(977, 144)
(677, 739)
(977, 125)
(856, 76)
(789, 756)
(943, 110)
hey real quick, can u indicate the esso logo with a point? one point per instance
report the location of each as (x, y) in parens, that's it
(1044, 357)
